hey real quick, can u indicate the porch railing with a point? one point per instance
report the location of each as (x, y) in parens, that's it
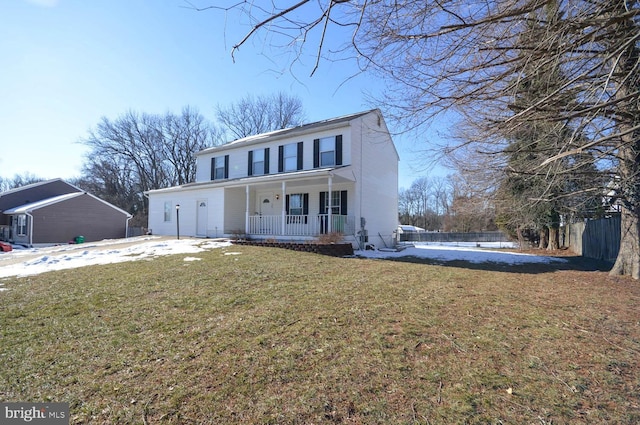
(300, 225)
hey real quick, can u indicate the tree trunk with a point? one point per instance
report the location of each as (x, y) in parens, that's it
(554, 233)
(520, 237)
(628, 261)
(544, 238)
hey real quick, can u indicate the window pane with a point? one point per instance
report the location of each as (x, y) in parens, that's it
(335, 202)
(290, 164)
(327, 151)
(327, 158)
(258, 167)
(290, 157)
(327, 144)
(219, 174)
(295, 204)
(295, 201)
(290, 150)
(22, 225)
(167, 211)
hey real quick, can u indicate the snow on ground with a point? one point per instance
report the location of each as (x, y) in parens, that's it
(464, 251)
(26, 262)
(31, 261)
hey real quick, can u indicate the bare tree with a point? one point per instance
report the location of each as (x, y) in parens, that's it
(254, 115)
(18, 180)
(468, 57)
(139, 152)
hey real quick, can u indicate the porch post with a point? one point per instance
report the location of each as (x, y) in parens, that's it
(284, 207)
(246, 221)
(329, 211)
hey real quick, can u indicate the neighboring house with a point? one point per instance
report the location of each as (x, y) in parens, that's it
(55, 211)
(337, 175)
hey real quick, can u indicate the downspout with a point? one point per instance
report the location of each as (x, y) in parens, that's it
(283, 222)
(126, 224)
(246, 212)
(30, 228)
(329, 210)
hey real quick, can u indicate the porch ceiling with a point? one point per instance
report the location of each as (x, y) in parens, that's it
(294, 179)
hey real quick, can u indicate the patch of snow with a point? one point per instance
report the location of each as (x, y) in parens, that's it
(32, 261)
(462, 251)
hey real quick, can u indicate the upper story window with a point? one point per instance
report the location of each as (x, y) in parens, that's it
(220, 167)
(327, 151)
(290, 157)
(258, 162)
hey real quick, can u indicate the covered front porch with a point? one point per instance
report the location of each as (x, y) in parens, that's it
(296, 206)
(300, 225)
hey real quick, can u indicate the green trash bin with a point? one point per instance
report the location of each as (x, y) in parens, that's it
(79, 239)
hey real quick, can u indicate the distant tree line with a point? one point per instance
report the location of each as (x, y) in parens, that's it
(445, 204)
(18, 180)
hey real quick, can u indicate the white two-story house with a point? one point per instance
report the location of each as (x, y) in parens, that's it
(337, 175)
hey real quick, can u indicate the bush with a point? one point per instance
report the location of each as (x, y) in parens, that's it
(327, 238)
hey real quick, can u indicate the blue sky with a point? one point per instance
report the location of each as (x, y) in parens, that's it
(67, 63)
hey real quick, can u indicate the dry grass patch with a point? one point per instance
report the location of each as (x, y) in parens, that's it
(283, 337)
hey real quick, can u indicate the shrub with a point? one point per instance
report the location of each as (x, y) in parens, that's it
(333, 237)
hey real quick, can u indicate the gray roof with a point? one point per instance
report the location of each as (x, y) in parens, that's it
(277, 134)
(42, 203)
(36, 184)
(32, 206)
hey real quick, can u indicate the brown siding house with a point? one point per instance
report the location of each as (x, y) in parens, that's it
(33, 193)
(63, 218)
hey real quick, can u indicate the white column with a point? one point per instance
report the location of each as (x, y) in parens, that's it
(330, 201)
(246, 221)
(284, 207)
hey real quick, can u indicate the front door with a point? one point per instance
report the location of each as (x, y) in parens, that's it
(202, 215)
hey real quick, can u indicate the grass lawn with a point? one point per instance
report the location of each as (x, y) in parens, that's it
(268, 336)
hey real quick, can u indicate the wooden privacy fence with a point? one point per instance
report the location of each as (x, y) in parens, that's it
(598, 239)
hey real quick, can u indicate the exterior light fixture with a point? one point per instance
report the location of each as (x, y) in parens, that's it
(178, 220)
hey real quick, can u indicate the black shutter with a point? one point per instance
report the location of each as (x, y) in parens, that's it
(339, 149)
(316, 153)
(280, 159)
(343, 202)
(250, 166)
(286, 204)
(226, 166)
(266, 160)
(300, 165)
(213, 168)
(323, 201)
(305, 207)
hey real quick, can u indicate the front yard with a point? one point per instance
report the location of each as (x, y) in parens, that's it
(264, 335)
